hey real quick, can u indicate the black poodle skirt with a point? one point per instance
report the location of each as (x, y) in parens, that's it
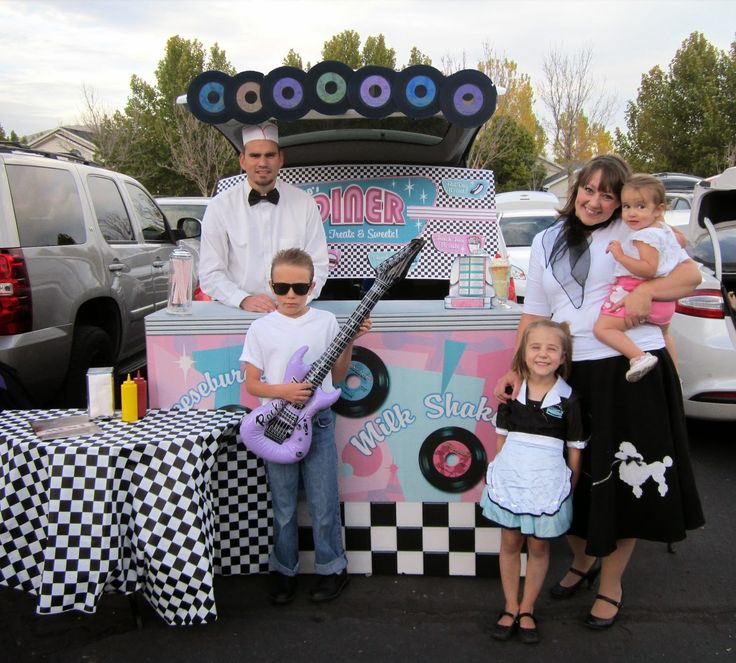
(637, 480)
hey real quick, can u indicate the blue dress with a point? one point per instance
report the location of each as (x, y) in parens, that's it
(528, 482)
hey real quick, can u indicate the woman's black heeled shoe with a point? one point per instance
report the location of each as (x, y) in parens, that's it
(561, 592)
(600, 623)
(501, 632)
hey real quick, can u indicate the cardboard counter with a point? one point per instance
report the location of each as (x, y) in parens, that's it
(414, 429)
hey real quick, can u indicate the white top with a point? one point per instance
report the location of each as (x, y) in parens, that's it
(663, 239)
(545, 297)
(239, 241)
(273, 339)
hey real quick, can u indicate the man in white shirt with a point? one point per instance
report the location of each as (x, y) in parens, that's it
(246, 225)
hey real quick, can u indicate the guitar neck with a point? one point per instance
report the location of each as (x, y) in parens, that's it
(347, 332)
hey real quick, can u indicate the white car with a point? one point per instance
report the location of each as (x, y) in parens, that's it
(704, 324)
(179, 211)
(522, 214)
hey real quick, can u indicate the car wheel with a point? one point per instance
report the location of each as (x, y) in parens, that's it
(91, 347)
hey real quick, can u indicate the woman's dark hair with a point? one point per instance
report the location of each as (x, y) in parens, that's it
(614, 173)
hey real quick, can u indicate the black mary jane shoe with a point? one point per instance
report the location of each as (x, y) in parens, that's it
(600, 623)
(529, 636)
(502, 632)
(283, 588)
(559, 591)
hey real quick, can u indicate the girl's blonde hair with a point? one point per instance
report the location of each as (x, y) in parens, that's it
(650, 183)
(518, 365)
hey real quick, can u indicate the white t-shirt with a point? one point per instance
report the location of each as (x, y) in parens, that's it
(273, 339)
(545, 297)
(663, 239)
(239, 241)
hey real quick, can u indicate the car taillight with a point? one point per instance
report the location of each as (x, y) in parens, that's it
(703, 303)
(16, 312)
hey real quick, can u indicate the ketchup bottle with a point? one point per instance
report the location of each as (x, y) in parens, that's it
(142, 386)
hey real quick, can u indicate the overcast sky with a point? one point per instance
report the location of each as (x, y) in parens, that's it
(51, 49)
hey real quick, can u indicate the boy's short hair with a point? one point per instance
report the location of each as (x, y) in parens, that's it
(296, 257)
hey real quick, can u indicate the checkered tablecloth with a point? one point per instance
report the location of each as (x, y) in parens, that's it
(129, 509)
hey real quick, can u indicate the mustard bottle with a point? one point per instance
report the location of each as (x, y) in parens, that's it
(129, 400)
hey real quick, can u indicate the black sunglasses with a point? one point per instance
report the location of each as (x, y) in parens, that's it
(300, 289)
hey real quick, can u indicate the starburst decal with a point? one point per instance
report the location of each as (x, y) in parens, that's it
(423, 196)
(409, 187)
(185, 363)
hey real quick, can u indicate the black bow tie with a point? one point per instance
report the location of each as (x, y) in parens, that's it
(254, 197)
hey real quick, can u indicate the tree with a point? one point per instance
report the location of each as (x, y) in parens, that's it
(293, 59)
(516, 95)
(12, 136)
(417, 57)
(684, 119)
(375, 52)
(510, 151)
(156, 143)
(344, 47)
(575, 101)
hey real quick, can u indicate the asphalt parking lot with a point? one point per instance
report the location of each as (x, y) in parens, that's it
(678, 606)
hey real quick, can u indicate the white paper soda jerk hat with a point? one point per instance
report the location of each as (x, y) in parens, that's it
(262, 131)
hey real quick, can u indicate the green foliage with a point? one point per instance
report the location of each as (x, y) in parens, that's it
(684, 119)
(12, 136)
(293, 59)
(144, 140)
(509, 150)
(417, 57)
(344, 47)
(375, 52)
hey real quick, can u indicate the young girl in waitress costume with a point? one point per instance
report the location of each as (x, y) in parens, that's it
(529, 484)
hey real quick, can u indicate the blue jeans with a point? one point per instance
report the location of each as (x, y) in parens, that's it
(319, 474)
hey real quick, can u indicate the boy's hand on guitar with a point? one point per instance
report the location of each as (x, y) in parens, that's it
(364, 328)
(297, 392)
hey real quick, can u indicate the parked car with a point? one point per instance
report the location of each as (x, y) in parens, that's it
(83, 259)
(678, 181)
(522, 214)
(704, 324)
(186, 213)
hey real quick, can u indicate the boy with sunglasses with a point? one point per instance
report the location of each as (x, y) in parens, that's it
(269, 345)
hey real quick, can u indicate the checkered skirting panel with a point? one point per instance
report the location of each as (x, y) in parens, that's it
(380, 537)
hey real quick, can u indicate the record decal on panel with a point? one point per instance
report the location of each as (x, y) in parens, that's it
(365, 386)
(452, 459)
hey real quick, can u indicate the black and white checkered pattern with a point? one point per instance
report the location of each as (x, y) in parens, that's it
(432, 264)
(414, 538)
(129, 509)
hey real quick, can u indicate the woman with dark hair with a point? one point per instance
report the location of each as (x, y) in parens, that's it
(636, 480)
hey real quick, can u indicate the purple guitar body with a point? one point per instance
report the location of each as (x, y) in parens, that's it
(281, 432)
(297, 419)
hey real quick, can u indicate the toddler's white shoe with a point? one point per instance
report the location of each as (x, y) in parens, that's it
(640, 366)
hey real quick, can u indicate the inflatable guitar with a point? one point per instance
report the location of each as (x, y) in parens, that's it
(280, 431)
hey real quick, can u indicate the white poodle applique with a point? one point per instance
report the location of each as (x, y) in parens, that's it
(634, 471)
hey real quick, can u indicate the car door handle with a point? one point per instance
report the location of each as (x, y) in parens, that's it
(118, 266)
(159, 263)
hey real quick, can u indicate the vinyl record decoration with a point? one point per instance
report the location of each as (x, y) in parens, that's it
(244, 98)
(452, 459)
(365, 386)
(206, 97)
(284, 90)
(468, 98)
(370, 91)
(327, 83)
(417, 91)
